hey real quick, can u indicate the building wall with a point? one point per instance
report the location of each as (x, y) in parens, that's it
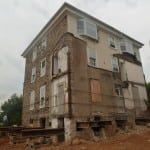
(62, 108)
(134, 72)
(52, 37)
(82, 106)
(102, 48)
(129, 71)
(81, 74)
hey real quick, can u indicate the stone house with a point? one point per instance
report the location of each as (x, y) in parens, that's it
(82, 73)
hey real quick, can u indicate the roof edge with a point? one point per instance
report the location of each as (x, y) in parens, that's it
(65, 4)
(47, 24)
(101, 22)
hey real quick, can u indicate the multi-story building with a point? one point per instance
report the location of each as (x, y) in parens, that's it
(80, 70)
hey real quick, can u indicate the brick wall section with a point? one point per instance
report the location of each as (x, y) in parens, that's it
(53, 35)
(81, 73)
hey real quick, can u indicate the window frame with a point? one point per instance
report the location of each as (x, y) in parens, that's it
(34, 54)
(44, 44)
(33, 74)
(42, 70)
(98, 94)
(32, 100)
(84, 31)
(89, 57)
(42, 96)
(112, 42)
(128, 46)
(119, 90)
(115, 64)
(55, 61)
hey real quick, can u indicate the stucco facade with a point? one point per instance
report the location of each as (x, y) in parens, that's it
(83, 78)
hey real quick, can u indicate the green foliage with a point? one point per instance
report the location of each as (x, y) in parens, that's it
(148, 89)
(148, 94)
(13, 109)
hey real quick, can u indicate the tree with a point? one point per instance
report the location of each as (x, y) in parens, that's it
(148, 89)
(13, 109)
(148, 94)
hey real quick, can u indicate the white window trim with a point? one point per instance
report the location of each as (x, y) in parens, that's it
(42, 70)
(32, 100)
(115, 64)
(33, 73)
(119, 89)
(34, 54)
(44, 44)
(42, 95)
(88, 57)
(85, 33)
(114, 41)
(128, 46)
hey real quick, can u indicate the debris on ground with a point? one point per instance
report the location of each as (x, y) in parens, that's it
(135, 139)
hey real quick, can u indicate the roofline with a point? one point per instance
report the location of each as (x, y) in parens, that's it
(42, 30)
(67, 5)
(101, 22)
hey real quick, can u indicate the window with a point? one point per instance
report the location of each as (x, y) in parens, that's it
(31, 121)
(136, 53)
(91, 57)
(60, 61)
(87, 28)
(92, 61)
(34, 54)
(43, 44)
(127, 46)
(32, 100)
(115, 64)
(58, 99)
(63, 59)
(43, 67)
(33, 74)
(123, 45)
(61, 93)
(42, 96)
(112, 42)
(55, 65)
(95, 90)
(80, 26)
(118, 91)
(91, 30)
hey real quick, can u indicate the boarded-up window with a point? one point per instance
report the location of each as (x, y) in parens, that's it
(95, 90)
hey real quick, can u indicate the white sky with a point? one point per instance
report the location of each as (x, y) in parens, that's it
(21, 20)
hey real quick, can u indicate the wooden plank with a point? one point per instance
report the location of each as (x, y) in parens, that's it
(42, 132)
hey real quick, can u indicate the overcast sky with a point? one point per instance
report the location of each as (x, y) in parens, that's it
(21, 20)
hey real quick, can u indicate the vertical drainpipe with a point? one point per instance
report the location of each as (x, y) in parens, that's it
(69, 86)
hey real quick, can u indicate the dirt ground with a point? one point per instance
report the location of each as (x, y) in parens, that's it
(129, 141)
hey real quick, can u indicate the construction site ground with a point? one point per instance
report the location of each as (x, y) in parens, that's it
(137, 139)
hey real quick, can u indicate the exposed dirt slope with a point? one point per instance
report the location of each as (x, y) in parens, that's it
(140, 141)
